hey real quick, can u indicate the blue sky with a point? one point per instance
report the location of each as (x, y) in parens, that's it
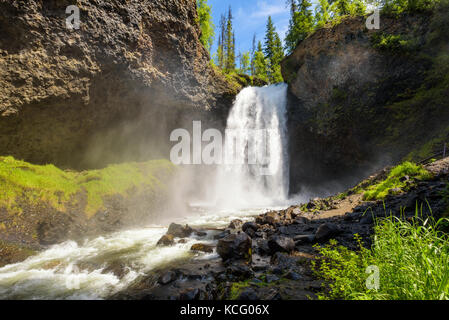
(250, 16)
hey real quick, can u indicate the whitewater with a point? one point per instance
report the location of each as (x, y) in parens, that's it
(74, 270)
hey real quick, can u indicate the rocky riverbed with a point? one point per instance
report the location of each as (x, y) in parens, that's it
(269, 257)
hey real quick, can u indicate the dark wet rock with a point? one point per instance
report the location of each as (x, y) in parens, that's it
(179, 231)
(271, 278)
(248, 295)
(281, 244)
(292, 275)
(262, 247)
(182, 241)
(250, 232)
(326, 231)
(301, 220)
(190, 294)
(256, 281)
(250, 225)
(367, 219)
(166, 240)
(271, 218)
(222, 234)
(202, 247)
(235, 246)
(351, 216)
(277, 270)
(240, 270)
(304, 238)
(291, 229)
(259, 263)
(236, 224)
(284, 261)
(167, 278)
(273, 295)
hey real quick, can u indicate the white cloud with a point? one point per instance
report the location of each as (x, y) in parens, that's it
(263, 9)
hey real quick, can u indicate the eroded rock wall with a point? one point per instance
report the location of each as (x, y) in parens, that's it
(109, 92)
(360, 99)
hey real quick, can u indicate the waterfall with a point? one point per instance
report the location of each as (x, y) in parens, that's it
(260, 174)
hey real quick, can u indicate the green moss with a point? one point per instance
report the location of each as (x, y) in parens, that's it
(394, 180)
(238, 287)
(394, 42)
(34, 184)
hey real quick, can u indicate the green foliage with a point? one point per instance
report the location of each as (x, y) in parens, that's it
(260, 64)
(274, 53)
(302, 23)
(395, 180)
(22, 181)
(397, 7)
(393, 43)
(411, 257)
(323, 12)
(206, 24)
(245, 63)
(225, 56)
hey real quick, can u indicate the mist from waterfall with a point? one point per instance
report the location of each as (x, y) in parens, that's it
(258, 116)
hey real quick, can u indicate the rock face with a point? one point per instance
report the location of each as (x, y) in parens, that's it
(235, 246)
(360, 99)
(111, 91)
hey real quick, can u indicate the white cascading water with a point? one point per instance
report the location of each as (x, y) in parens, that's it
(256, 111)
(73, 270)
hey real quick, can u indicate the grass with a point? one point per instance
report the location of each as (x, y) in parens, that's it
(411, 258)
(395, 180)
(22, 181)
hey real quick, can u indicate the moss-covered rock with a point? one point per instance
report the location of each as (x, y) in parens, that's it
(44, 204)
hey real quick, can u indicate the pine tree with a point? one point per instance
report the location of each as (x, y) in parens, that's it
(253, 53)
(322, 13)
(301, 24)
(229, 45)
(343, 7)
(269, 46)
(206, 25)
(221, 53)
(260, 63)
(245, 66)
(278, 55)
(274, 53)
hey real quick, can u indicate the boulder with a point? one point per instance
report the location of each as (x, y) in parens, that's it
(235, 224)
(248, 295)
(202, 247)
(167, 277)
(272, 218)
(166, 240)
(222, 234)
(235, 246)
(281, 244)
(250, 225)
(304, 238)
(179, 231)
(326, 231)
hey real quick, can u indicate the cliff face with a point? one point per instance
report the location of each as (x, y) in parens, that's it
(360, 99)
(111, 91)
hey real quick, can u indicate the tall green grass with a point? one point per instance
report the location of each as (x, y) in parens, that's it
(412, 257)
